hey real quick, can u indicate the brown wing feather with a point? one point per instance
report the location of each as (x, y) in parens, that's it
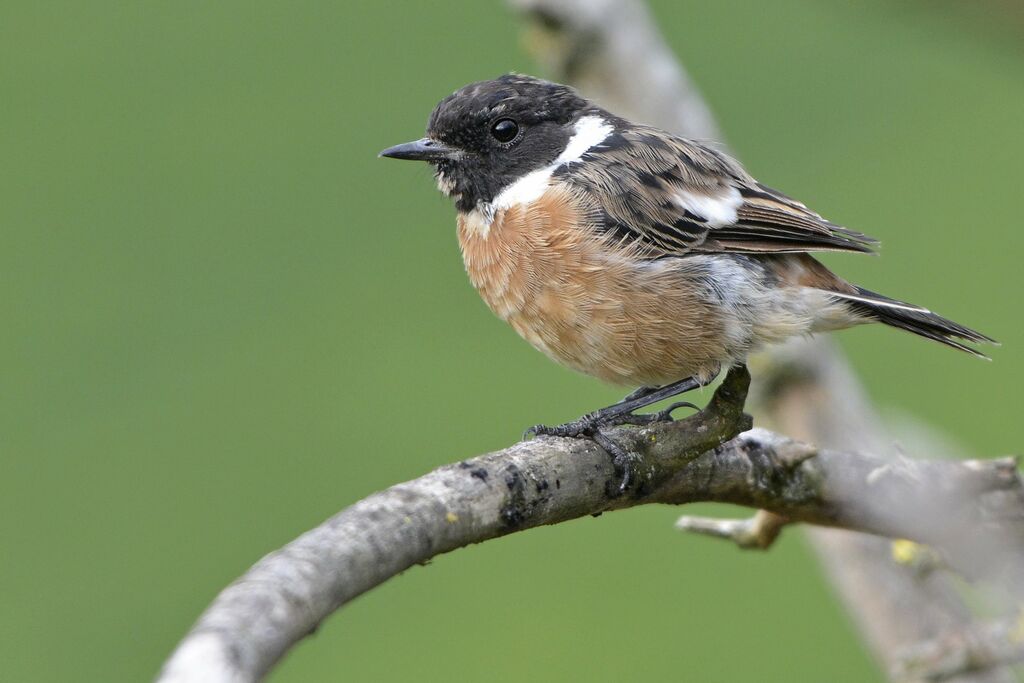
(675, 196)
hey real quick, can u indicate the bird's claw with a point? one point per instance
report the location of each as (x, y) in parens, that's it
(583, 426)
(623, 460)
(569, 430)
(666, 414)
(591, 426)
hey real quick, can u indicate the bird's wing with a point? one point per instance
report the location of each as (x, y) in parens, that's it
(670, 196)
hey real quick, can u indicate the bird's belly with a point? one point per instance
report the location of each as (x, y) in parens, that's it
(590, 307)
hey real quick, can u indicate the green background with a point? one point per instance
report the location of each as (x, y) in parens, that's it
(217, 304)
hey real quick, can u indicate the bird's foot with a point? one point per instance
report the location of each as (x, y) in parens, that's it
(592, 426)
(623, 460)
(606, 417)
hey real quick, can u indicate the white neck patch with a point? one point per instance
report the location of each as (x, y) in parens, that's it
(590, 132)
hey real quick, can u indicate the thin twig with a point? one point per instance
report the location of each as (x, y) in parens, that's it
(757, 532)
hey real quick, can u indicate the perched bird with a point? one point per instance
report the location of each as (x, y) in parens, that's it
(635, 256)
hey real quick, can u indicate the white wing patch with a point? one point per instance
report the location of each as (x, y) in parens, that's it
(718, 210)
(590, 132)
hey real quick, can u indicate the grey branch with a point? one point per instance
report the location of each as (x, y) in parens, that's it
(809, 391)
(705, 457)
(979, 648)
(614, 53)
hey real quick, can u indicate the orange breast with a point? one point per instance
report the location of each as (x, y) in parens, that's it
(586, 302)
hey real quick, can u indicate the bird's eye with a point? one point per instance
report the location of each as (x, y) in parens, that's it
(505, 130)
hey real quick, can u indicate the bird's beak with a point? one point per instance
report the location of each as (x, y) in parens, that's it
(424, 149)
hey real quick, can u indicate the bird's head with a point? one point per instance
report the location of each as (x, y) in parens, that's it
(488, 135)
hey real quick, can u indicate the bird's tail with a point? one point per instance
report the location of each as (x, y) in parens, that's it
(914, 319)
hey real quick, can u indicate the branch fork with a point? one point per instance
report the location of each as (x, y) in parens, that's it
(704, 457)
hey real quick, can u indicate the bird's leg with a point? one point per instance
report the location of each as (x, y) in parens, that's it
(638, 393)
(623, 412)
(647, 418)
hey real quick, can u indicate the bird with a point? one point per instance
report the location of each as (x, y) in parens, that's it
(635, 256)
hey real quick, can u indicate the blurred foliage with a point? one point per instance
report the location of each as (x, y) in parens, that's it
(224, 319)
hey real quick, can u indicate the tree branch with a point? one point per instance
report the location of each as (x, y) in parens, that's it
(614, 53)
(981, 647)
(613, 50)
(286, 595)
(809, 391)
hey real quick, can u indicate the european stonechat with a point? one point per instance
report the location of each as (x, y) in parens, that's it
(635, 256)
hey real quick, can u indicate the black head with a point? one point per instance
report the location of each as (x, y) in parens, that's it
(487, 135)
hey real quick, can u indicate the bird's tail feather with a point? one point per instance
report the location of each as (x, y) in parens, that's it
(914, 319)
